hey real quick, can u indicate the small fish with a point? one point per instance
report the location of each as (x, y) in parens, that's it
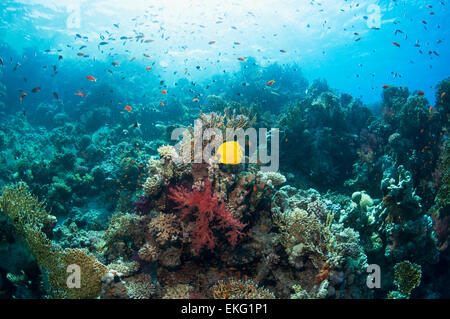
(421, 93)
(56, 96)
(2, 62)
(164, 92)
(242, 59)
(82, 47)
(195, 99)
(115, 63)
(91, 78)
(385, 86)
(80, 93)
(103, 43)
(36, 89)
(148, 68)
(211, 42)
(270, 82)
(237, 43)
(80, 53)
(128, 108)
(357, 39)
(161, 103)
(60, 57)
(283, 51)
(22, 96)
(137, 125)
(147, 56)
(396, 44)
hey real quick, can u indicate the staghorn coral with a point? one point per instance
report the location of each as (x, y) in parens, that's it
(239, 289)
(208, 213)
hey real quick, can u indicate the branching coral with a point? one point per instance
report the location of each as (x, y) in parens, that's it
(204, 208)
(165, 227)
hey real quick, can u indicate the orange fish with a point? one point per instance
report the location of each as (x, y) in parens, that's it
(421, 93)
(80, 53)
(270, 82)
(242, 59)
(164, 92)
(91, 78)
(442, 96)
(385, 86)
(128, 108)
(161, 103)
(22, 96)
(80, 93)
(195, 99)
(148, 68)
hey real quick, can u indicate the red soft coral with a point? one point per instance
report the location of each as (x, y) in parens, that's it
(209, 215)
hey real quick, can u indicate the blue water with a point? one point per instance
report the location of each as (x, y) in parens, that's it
(319, 36)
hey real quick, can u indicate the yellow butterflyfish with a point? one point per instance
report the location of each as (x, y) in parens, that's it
(229, 153)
